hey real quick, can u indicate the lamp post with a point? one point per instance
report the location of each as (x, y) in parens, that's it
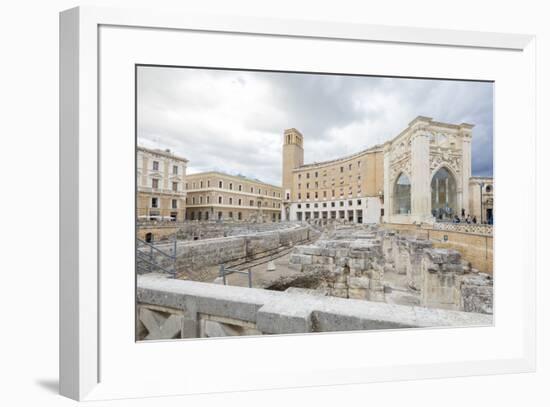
(481, 185)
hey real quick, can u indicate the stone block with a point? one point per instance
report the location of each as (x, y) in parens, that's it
(318, 268)
(389, 267)
(339, 269)
(329, 252)
(322, 260)
(311, 250)
(300, 259)
(289, 315)
(358, 282)
(339, 292)
(341, 261)
(443, 256)
(341, 252)
(340, 285)
(357, 293)
(376, 285)
(357, 263)
(377, 296)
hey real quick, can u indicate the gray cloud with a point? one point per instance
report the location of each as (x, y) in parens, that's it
(233, 121)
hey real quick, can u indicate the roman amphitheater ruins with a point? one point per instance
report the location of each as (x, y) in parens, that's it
(373, 240)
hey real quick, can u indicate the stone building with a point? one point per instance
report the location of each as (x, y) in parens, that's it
(481, 198)
(160, 185)
(345, 188)
(421, 175)
(219, 196)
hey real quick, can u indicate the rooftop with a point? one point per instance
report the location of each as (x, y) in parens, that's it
(236, 177)
(165, 153)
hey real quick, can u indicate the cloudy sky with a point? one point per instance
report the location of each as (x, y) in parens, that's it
(233, 121)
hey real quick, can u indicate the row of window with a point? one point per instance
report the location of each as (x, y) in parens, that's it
(332, 215)
(155, 203)
(332, 204)
(333, 193)
(342, 168)
(155, 184)
(156, 167)
(229, 201)
(201, 184)
(219, 215)
(333, 183)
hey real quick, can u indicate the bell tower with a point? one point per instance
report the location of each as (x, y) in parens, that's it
(293, 157)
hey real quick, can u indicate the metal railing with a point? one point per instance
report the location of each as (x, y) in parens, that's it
(257, 259)
(227, 271)
(147, 258)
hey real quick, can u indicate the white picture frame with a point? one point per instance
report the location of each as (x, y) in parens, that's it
(86, 374)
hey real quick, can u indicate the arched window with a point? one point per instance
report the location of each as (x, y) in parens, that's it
(402, 195)
(443, 194)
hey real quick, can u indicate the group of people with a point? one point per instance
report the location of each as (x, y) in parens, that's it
(467, 219)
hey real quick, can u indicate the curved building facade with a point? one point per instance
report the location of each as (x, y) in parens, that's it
(421, 175)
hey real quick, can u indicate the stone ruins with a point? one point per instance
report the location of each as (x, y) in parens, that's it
(305, 278)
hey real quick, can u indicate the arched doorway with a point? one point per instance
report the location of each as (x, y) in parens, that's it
(402, 195)
(443, 194)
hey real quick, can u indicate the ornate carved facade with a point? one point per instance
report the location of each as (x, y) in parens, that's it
(421, 175)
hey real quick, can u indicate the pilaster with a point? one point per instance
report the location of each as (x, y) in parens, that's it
(466, 135)
(387, 188)
(420, 182)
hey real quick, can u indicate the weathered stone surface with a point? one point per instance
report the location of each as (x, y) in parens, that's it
(160, 325)
(358, 282)
(350, 262)
(300, 259)
(476, 294)
(443, 256)
(242, 242)
(279, 312)
(358, 293)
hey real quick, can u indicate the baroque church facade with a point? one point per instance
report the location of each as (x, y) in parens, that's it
(422, 175)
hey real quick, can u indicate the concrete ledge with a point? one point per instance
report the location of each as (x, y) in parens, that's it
(277, 312)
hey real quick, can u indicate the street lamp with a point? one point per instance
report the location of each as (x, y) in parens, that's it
(481, 185)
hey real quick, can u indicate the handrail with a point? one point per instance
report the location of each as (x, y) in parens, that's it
(269, 251)
(158, 266)
(149, 258)
(226, 271)
(152, 246)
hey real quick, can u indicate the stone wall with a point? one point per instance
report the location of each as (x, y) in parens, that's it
(476, 248)
(403, 254)
(158, 232)
(345, 269)
(169, 309)
(351, 263)
(208, 230)
(476, 294)
(198, 254)
(195, 230)
(440, 269)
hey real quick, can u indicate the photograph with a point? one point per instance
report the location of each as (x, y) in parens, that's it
(275, 202)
